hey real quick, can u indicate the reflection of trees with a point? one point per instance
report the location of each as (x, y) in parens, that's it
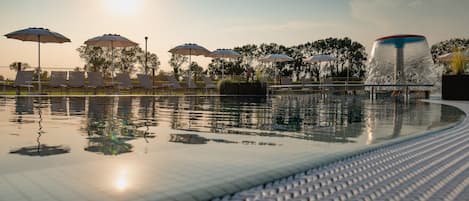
(303, 117)
(109, 133)
(197, 139)
(319, 119)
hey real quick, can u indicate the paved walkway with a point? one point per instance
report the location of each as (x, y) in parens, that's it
(433, 166)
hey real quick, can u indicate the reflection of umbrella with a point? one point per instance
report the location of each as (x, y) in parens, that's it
(449, 56)
(276, 58)
(111, 40)
(190, 49)
(41, 150)
(39, 35)
(224, 53)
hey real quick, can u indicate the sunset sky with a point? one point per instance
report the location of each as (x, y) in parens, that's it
(221, 23)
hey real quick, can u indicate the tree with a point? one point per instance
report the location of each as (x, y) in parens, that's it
(449, 46)
(351, 57)
(176, 62)
(19, 66)
(196, 70)
(44, 74)
(98, 59)
(153, 62)
(126, 59)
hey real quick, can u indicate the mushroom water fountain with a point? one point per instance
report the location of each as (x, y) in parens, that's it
(401, 59)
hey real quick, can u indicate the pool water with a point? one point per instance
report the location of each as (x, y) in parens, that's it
(157, 148)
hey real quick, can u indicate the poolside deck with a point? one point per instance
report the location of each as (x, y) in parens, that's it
(433, 166)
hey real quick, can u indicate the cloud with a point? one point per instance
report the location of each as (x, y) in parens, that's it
(408, 12)
(294, 25)
(435, 18)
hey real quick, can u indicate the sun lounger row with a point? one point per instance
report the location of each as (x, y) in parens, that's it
(122, 81)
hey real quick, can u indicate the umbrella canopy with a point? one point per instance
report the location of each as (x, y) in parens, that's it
(190, 49)
(319, 58)
(449, 56)
(39, 35)
(224, 53)
(276, 58)
(110, 40)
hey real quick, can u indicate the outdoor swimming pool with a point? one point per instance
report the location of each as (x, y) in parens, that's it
(144, 147)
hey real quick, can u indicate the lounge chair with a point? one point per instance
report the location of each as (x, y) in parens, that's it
(191, 84)
(286, 81)
(124, 82)
(58, 79)
(95, 81)
(146, 83)
(23, 79)
(209, 84)
(76, 79)
(173, 83)
(3, 83)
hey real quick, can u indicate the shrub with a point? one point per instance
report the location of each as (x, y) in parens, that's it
(458, 63)
(230, 87)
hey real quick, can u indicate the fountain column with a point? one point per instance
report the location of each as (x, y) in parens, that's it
(399, 75)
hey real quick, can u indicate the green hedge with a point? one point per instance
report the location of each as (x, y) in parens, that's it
(229, 87)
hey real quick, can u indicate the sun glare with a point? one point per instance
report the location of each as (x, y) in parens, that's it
(122, 7)
(121, 183)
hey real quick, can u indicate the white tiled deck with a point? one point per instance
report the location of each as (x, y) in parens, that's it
(432, 166)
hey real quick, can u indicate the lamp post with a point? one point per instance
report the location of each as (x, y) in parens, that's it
(146, 67)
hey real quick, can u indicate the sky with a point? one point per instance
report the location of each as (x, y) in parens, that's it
(220, 23)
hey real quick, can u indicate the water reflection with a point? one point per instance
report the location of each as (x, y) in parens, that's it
(77, 105)
(112, 125)
(109, 132)
(26, 104)
(197, 139)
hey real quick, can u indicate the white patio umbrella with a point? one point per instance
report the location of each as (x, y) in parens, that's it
(112, 41)
(39, 35)
(189, 49)
(275, 58)
(224, 53)
(319, 58)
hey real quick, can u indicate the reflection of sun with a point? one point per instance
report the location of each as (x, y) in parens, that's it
(121, 183)
(123, 7)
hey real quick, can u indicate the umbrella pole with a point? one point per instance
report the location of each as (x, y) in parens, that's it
(39, 62)
(189, 70)
(112, 64)
(346, 83)
(222, 70)
(275, 73)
